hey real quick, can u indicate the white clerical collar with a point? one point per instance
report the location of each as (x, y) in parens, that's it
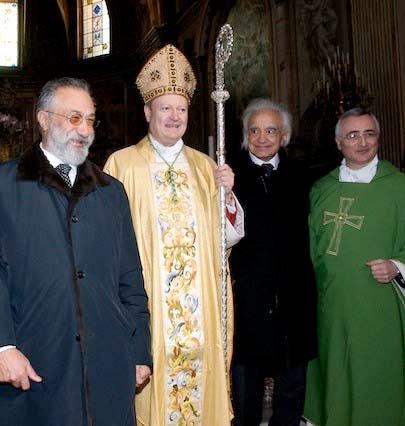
(169, 153)
(274, 161)
(363, 175)
(55, 161)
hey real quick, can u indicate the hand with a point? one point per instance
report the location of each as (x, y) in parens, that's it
(142, 373)
(16, 369)
(224, 176)
(383, 270)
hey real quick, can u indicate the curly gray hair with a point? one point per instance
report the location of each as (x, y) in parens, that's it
(265, 103)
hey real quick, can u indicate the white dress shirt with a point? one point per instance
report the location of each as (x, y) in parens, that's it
(273, 161)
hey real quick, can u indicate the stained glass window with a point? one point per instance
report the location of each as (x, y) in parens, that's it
(95, 29)
(8, 33)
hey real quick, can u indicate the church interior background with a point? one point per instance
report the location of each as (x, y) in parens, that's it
(319, 57)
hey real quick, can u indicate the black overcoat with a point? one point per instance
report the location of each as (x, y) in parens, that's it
(273, 279)
(71, 295)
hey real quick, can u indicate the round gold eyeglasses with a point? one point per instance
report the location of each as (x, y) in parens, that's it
(76, 119)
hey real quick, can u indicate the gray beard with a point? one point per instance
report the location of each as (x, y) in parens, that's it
(58, 144)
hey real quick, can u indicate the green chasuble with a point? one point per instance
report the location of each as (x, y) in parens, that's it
(358, 378)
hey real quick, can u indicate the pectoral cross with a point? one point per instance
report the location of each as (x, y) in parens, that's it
(340, 219)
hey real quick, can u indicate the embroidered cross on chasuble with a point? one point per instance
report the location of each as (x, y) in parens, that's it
(340, 219)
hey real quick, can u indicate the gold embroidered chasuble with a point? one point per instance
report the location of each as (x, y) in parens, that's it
(176, 222)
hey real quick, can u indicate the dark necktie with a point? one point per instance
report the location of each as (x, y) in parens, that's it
(267, 169)
(63, 171)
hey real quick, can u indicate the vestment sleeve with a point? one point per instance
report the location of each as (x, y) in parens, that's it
(398, 285)
(399, 250)
(399, 246)
(236, 231)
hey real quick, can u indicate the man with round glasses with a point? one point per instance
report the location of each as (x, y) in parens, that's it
(76, 119)
(357, 230)
(74, 322)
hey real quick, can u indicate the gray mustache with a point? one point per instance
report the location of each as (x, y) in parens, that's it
(84, 141)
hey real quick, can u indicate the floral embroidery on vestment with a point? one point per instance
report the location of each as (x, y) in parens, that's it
(181, 294)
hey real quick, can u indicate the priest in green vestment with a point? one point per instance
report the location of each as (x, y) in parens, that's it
(357, 226)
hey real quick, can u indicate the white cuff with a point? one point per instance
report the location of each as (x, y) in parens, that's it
(231, 207)
(4, 348)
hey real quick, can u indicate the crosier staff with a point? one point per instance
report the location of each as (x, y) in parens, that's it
(223, 50)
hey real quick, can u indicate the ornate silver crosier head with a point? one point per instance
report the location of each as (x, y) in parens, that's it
(223, 50)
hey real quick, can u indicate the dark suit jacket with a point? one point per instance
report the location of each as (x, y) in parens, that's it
(71, 295)
(274, 286)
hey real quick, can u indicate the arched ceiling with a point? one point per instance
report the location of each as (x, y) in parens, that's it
(64, 11)
(155, 12)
